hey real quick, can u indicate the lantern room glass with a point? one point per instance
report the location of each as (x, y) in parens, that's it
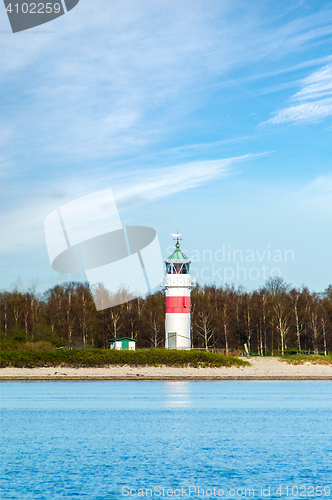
(177, 268)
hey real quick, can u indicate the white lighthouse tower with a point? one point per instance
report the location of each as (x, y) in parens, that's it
(177, 286)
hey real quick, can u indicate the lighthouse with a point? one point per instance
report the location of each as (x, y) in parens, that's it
(177, 285)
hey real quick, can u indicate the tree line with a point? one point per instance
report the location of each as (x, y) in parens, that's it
(276, 317)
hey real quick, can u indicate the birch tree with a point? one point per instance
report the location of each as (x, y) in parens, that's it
(204, 328)
(278, 290)
(295, 296)
(155, 328)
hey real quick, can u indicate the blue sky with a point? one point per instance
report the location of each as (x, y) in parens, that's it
(211, 118)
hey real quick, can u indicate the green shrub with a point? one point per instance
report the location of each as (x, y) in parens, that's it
(42, 345)
(106, 357)
(7, 343)
(17, 335)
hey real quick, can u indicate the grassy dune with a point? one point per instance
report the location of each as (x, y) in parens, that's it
(300, 359)
(101, 357)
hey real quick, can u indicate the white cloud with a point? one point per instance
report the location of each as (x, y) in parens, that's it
(320, 189)
(167, 181)
(23, 226)
(114, 79)
(317, 85)
(315, 99)
(307, 112)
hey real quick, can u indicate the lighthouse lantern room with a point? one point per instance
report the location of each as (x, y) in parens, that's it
(177, 285)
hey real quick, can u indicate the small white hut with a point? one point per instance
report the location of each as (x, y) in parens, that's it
(123, 343)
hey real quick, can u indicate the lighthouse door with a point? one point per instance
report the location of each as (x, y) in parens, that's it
(172, 340)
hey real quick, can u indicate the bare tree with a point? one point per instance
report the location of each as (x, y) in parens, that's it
(278, 290)
(155, 328)
(248, 319)
(69, 318)
(115, 316)
(294, 296)
(226, 298)
(204, 328)
(4, 308)
(313, 324)
(323, 321)
(264, 299)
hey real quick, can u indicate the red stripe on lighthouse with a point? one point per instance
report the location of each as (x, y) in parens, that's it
(178, 304)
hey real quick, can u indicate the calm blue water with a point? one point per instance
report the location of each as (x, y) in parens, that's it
(114, 440)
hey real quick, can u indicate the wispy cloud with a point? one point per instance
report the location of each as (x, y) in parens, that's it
(319, 190)
(90, 96)
(315, 98)
(171, 180)
(307, 112)
(317, 85)
(23, 227)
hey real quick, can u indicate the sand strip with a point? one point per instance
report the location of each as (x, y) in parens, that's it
(261, 369)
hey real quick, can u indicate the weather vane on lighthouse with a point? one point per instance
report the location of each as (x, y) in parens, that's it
(177, 286)
(177, 238)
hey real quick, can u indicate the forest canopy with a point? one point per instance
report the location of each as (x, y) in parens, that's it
(274, 318)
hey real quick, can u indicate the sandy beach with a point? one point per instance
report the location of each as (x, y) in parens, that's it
(260, 369)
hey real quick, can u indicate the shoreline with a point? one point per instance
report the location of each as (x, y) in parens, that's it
(268, 369)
